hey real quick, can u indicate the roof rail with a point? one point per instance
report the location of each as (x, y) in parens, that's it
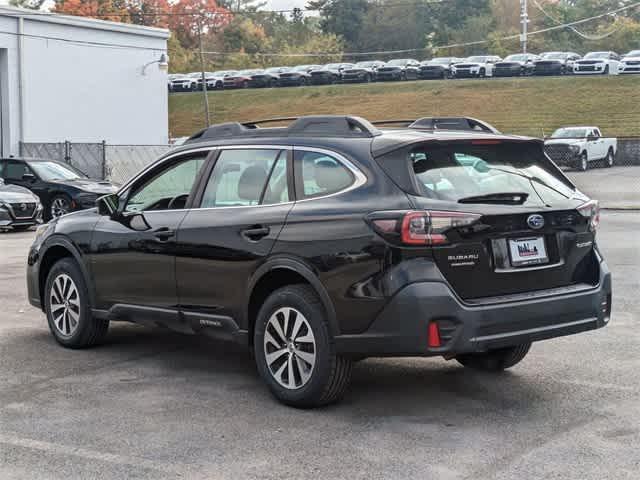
(311, 125)
(406, 123)
(453, 123)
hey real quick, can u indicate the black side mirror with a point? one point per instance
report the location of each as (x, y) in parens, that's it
(29, 177)
(108, 204)
(591, 138)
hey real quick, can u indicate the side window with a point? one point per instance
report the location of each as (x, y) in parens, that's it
(239, 179)
(318, 174)
(15, 170)
(169, 189)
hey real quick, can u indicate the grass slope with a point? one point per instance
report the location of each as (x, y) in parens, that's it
(527, 106)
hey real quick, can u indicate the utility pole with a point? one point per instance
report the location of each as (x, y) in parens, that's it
(524, 20)
(205, 97)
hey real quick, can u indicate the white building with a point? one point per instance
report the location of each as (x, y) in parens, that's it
(80, 79)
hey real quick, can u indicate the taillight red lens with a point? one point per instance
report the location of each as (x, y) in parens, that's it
(429, 227)
(591, 210)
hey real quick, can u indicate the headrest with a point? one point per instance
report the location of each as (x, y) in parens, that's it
(251, 183)
(331, 176)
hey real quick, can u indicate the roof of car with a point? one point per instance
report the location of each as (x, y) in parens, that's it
(339, 132)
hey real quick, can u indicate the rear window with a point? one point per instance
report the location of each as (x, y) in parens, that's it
(461, 170)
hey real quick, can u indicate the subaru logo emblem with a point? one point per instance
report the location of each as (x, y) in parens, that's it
(535, 221)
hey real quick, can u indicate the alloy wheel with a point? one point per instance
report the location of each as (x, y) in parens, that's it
(64, 302)
(59, 207)
(610, 159)
(289, 348)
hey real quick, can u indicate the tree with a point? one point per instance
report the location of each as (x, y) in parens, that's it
(189, 17)
(343, 18)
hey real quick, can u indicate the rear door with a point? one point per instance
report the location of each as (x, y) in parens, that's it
(529, 234)
(238, 215)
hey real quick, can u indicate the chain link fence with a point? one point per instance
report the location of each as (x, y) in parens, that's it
(116, 163)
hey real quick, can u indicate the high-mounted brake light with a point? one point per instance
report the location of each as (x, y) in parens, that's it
(485, 142)
(429, 227)
(591, 210)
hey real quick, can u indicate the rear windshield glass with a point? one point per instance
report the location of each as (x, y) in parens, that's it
(459, 171)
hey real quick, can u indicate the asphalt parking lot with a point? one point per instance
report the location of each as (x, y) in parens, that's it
(153, 405)
(617, 187)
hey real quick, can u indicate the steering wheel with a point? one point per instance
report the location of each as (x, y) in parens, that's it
(178, 202)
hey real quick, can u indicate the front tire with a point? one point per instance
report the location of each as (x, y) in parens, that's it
(495, 360)
(68, 309)
(294, 349)
(583, 164)
(59, 205)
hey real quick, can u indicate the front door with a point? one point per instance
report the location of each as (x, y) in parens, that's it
(240, 213)
(133, 251)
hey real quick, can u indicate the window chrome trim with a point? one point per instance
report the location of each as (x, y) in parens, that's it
(359, 177)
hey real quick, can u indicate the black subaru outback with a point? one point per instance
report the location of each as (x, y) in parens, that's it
(330, 240)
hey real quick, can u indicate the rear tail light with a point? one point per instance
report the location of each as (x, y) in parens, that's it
(591, 210)
(433, 340)
(420, 227)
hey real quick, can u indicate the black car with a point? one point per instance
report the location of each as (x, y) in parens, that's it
(439, 67)
(60, 187)
(330, 73)
(516, 65)
(297, 76)
(330, 240)
(19, 208)
(555, 63)
(399, 69)
(268, 78)
(362, 72)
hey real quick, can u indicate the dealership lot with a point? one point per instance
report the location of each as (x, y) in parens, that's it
(151, 404)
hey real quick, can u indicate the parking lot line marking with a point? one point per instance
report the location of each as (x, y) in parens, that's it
(61, 449)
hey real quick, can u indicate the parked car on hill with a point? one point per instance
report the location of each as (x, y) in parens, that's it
(399, 69)
(215, 80)
(20, 209)
(555, 63)
(578, 147)
(269, 77)
(362, 72)
(516, 65)
(597, 63)
(297, 76)
(60, 187)
(439, 67)
(184, 83)
(476, 66)
(330, 73)
(630, 63)
(330, 240)
(240, 79)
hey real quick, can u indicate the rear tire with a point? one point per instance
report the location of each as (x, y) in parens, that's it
(294, 349)
(495, 360)
(609, 159)
(68, 308)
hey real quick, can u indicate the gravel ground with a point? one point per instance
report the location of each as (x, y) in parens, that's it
(154, 405)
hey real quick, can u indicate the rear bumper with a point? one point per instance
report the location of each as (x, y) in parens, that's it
(401, 329)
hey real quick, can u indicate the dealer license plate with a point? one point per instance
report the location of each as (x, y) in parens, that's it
(528, 251)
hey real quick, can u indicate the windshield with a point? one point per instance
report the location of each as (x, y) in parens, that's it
(366, 64)
(440, 61)
(458, 171)
(224, 73)
(48, 171)
(517, 58)
(398, 62)
(250, 72)
(300, 68)
(597, 55)
(476, 59)
(633, 53)
(570, 133)
(554, 56)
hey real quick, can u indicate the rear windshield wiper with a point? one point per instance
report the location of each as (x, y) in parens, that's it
(506, 198)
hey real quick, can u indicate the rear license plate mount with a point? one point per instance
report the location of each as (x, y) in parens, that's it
(527, 251)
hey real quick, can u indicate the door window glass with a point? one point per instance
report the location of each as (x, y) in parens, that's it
(239, 178)
(320, 174)
(15, 170)
(169, 189)
(277, 190)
